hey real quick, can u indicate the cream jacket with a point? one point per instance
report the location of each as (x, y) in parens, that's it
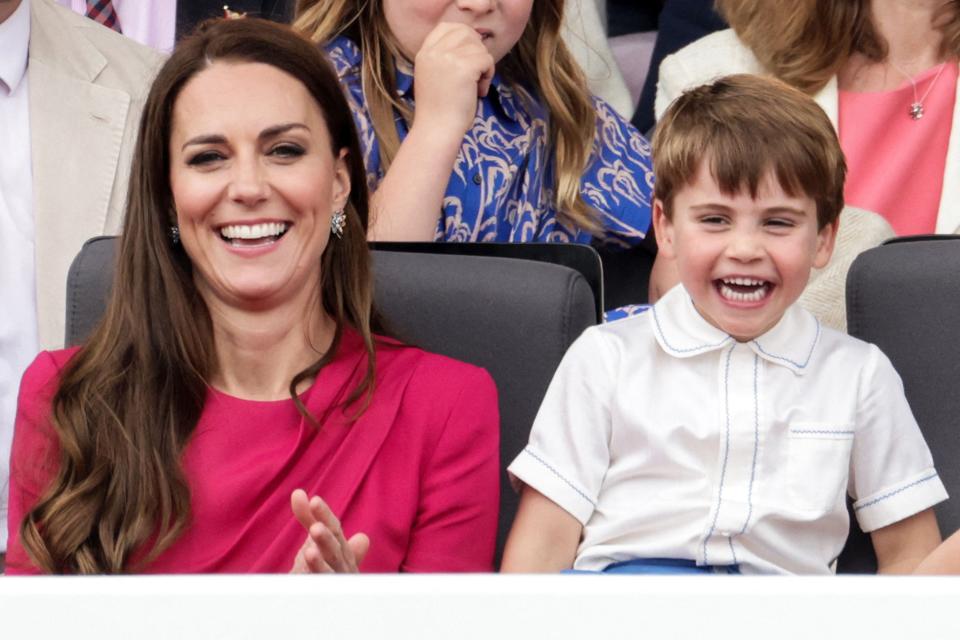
(87, 87)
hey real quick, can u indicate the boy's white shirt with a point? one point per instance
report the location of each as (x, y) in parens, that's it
(666, 438)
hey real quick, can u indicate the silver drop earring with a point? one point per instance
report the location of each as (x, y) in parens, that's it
(338, 221)
(174, 234)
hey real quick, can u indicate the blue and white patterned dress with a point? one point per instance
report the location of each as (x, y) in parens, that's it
(501, 187)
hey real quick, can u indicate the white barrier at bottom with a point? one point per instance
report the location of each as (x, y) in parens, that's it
(490, 607)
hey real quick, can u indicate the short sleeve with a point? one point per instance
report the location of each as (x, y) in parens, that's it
(619, 180)
(892, 475)
(569, 453)
(347, 60)
(456, 523)
(34, 456)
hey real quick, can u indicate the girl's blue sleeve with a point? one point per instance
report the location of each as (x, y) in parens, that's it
(618, 182)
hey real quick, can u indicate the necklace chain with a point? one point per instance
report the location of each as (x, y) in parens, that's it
(916, 107)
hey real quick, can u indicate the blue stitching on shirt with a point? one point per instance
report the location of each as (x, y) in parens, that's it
(726, 454)
(559, 475)
(895, 492)
(796, 364)
(663, 337)
(756, 441)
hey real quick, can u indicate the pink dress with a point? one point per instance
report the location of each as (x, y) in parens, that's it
(895, 163)
(418, 472)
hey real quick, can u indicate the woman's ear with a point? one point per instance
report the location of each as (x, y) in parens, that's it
(341, 180)
(663, 229)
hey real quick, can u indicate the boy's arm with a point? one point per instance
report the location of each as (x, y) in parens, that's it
(903, 545)
(543, 539)
(945, 559)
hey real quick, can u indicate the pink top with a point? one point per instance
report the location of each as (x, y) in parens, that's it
(895, 163)
(418, 472)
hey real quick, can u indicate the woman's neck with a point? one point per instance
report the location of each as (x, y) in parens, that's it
(913, 42)
(259, 351)
(913, 46)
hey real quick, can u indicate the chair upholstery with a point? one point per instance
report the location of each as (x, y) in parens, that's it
(579, 257)
(904, 297)
(617, 276)
(513, 317)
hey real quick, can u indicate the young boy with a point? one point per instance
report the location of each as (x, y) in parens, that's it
(722, 430)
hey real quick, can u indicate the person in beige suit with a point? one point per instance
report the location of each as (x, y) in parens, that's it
(71, 92)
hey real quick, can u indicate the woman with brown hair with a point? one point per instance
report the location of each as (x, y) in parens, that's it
(477, 124)
(237, 363)
(885, 71)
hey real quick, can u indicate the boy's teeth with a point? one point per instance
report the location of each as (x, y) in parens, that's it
(746, 282)
(253, 231)
(737, 296)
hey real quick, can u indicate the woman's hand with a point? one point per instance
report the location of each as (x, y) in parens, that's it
(325, 550)
(452, 69)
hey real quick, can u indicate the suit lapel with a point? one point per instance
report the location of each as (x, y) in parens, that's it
(76, 131)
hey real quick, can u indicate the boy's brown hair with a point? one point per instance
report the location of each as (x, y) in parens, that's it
(748, 126)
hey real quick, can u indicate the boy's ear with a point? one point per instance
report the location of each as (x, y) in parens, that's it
(826, 240)
(663, 230)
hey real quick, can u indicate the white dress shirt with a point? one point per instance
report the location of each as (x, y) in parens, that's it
(149, 22)
(19, 339)
(667, 438)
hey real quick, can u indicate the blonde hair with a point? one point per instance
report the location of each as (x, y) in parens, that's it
(806, 42)
(539, 62)
(749, 126)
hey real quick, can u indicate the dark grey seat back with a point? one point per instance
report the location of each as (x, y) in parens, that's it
(904, 297)
(513, 317)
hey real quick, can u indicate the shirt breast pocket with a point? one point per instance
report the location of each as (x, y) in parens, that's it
(818, 465)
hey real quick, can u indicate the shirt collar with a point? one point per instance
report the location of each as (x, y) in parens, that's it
(682, 332)
(15, 36)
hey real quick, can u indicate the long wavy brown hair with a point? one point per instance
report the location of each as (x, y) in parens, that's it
(539, 63)
(129, 400)
(806, 42)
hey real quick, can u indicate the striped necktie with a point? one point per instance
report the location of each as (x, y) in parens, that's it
(103, 12)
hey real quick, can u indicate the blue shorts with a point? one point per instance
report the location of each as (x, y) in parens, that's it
(663, 566)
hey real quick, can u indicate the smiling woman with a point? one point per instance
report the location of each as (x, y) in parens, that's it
(236, 411)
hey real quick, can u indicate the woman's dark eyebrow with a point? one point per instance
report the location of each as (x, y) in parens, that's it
(269, 132)
(278, 129)
(212, 138)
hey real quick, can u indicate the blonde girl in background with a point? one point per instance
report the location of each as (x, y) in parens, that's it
(477, 124)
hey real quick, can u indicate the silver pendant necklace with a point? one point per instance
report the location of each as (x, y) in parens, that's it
(916, 107)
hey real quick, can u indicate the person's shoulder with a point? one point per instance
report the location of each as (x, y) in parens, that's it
(128, 64)
(619, 339)
(345, 56)
(42, 374)
(842, 349)
(426, 367)
(714, 55)
(723, 41)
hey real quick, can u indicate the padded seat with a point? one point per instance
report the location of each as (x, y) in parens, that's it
(904, 296)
